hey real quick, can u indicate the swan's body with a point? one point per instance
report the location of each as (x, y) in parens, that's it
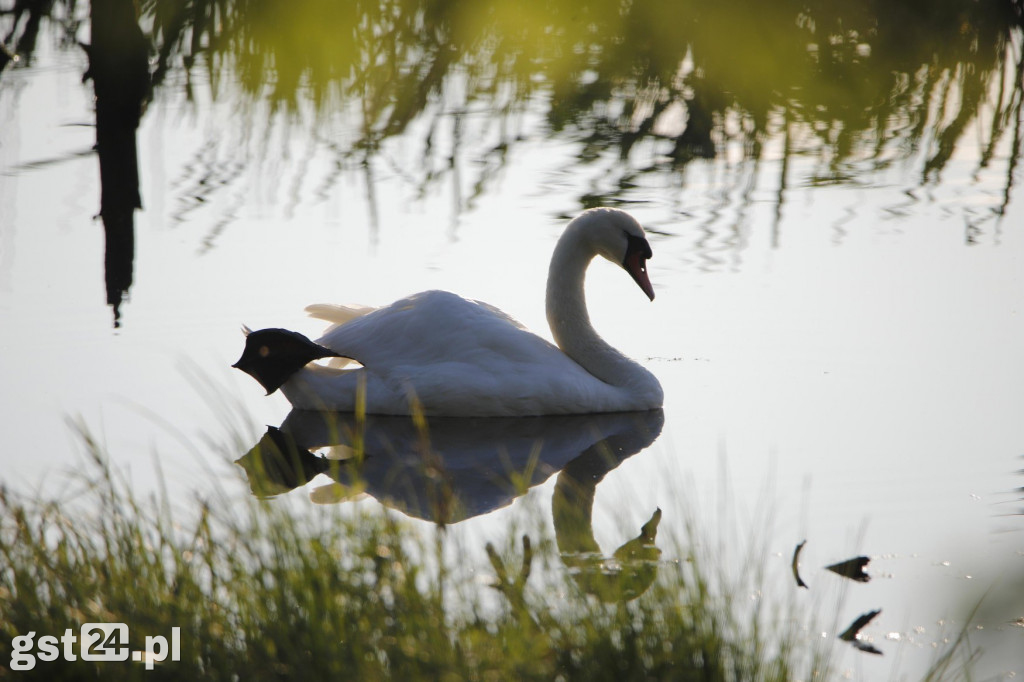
(446, 355)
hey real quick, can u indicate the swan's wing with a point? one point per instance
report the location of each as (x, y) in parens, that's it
(501, 314)
(337, 314)
(437, 327)
(461, 357)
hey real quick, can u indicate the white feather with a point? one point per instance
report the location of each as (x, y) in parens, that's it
(337, 315)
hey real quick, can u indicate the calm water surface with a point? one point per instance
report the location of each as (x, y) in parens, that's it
(838, 330)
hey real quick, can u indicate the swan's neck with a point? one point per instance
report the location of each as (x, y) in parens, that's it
(570, 324)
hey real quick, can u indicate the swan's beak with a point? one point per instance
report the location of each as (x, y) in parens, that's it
(636, 265)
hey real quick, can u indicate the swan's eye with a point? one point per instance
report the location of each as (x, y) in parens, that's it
(264, 351)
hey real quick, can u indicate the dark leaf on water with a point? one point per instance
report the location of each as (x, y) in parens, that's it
(852, 569)
(867, 648)
(796, 570)
(852, 633)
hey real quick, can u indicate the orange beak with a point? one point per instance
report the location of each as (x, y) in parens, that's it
(636, 265)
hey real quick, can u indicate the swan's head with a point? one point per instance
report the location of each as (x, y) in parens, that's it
(617, 236)
(272, 356)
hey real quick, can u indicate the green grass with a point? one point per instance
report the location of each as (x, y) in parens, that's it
(359, 593)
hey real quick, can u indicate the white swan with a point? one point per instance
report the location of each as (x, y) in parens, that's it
(454, 357)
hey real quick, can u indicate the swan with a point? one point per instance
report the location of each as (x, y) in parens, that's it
(439, 354)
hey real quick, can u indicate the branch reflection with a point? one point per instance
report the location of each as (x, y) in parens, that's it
(119, 69)
(856, 85)
(640, 89)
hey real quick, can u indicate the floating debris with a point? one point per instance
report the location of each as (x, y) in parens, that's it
(852, 569)
(852, 633)
(796, 570)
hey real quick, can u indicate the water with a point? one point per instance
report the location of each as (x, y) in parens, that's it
(837, 324)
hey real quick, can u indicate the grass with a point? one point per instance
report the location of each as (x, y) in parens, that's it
(260, 593)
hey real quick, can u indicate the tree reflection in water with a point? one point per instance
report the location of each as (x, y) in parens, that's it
(845, 82)
(120, 75)
(641, 87)
(848, 83)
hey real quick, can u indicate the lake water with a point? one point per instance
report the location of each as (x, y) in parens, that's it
(839, 336)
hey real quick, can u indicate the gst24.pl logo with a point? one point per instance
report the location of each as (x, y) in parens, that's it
(99, 642)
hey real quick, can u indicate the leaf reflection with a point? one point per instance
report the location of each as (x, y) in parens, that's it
(656, 82)
(639, 89)
(855, 86)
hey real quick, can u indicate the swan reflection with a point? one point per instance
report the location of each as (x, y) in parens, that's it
(450, 469)
(474, 465)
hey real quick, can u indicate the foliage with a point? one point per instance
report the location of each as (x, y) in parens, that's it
(260, 593)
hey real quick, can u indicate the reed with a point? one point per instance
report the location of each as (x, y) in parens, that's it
(356, 592)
